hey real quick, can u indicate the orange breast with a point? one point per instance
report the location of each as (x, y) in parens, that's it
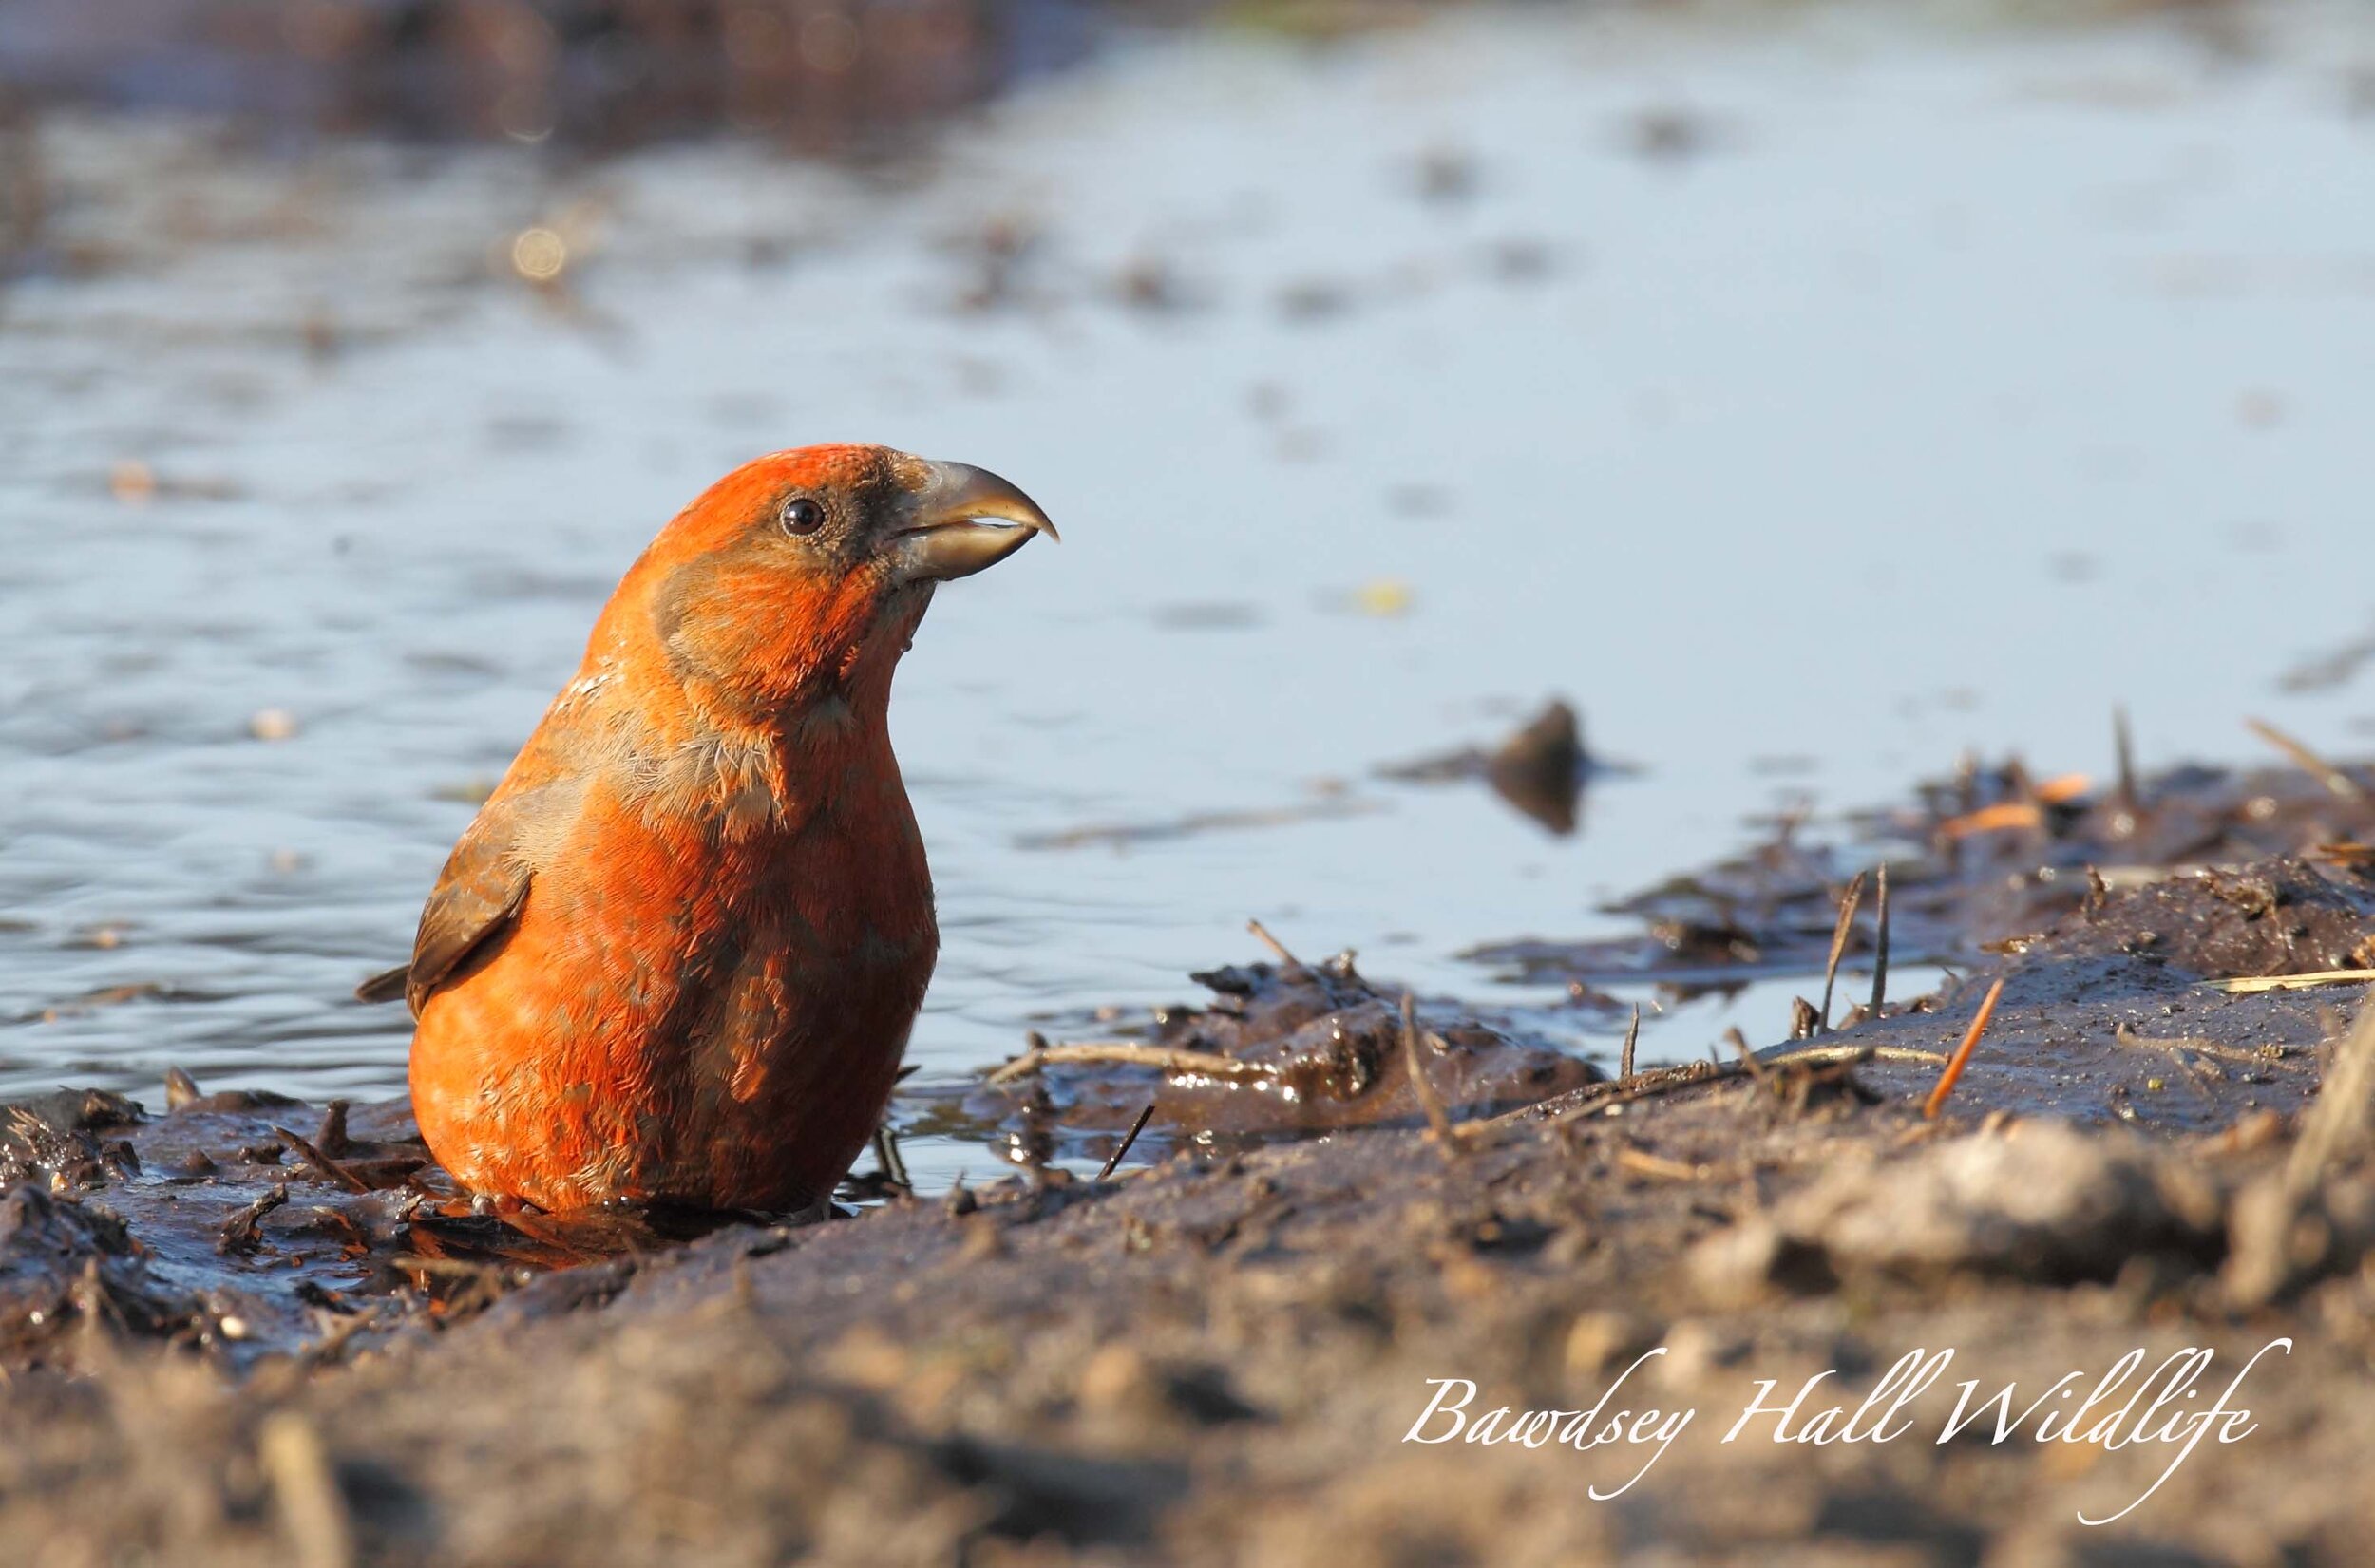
(686, 1013)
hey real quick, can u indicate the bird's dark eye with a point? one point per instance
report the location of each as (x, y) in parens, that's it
(802, 515)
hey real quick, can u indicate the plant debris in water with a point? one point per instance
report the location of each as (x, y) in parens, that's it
(1540, 770)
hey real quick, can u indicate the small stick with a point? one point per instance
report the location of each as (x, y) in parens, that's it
(888, 1156)
(1842, 1056)
(1880, 954)
(1429, 1102)
(1962, 1056)
(2123, 749)
(1129, 1054)
(1738, 1042)
(1598, 1097)
(2251, 985)
(2344, 786)
(1632, 1038)
(1129, 1137)
(328, 1347)
(1261, 934)
(2336, 1123)
(1641, 1163)
(1824, 1056)
(311, 1505)
(320, 1163)
(1839, 933)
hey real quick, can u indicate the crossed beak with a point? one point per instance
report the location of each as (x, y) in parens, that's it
(965, 519)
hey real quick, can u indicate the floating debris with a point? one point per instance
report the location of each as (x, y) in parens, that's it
(1541, 769)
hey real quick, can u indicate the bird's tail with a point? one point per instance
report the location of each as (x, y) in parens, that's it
(387, 987)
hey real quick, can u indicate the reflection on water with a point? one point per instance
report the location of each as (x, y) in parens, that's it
(1806, 403)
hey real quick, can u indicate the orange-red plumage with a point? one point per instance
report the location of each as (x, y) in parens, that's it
(678, 954)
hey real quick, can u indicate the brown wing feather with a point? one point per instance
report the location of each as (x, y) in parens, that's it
(485, 882)
(483, 885)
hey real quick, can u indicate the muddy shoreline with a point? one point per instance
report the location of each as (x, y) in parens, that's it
(1216, 1358)
(1759, 391)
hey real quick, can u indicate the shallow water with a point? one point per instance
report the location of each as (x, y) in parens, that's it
(1806, 401)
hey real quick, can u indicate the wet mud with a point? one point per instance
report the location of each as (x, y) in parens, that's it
(2110, 895)
(241, 1329)
(1214, 1358)
(1986, 859)
(235, 1327)
(1282, 1050)
(215, 1228)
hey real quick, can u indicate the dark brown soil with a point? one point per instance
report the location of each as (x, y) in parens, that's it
(1218, 1358)
(1977, 861)
(1285, 1050)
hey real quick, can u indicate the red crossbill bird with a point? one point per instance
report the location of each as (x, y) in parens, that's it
(676, 956)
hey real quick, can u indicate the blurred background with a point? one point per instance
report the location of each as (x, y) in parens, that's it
(1807, 393)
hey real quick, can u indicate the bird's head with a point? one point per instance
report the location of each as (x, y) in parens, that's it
(801, 575)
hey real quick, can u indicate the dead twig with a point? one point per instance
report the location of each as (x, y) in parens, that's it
(1129, 1137)
(2251, 985)
(1640, 1161)
(2341, 786)
(1595, 1098)
(311, 1505)
(1818, 1055)
(1632, 1038)
(1126, 1053)
(332, 1343)
(1741, 1047)
(2337, 1126)
(2123, 751)
(320, 1163)
(887, 1155)
(1962, 1056)
(1261, 935)
(1880, 947)
(1839, 934)
(1438, 1119)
